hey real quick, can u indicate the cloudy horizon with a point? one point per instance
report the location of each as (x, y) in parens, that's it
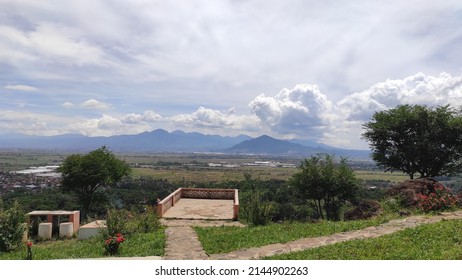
(314, 70)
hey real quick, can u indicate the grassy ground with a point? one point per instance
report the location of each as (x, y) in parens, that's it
(394, 177)
(204, 175)
(136, 245)
(439, 241)
(226, 239)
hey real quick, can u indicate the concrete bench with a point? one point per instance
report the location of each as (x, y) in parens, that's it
(45, 230)
(66, 229)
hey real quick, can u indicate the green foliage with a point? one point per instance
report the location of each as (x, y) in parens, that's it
(255, 211)
(50, 198)
(12, 227)
(147, 221)
(438, 241)
(116, 223)
(439, 200)
(326, 184)
(138, 245)
(83, 175)
(226, 239)
(416, 139)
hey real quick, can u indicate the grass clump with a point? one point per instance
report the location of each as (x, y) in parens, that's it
(226, 239)
(438, 241)
(138, 245)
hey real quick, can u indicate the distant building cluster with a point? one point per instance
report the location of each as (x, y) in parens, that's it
(32, 178)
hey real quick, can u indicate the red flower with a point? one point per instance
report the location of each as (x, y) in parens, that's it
(120, 238)
(29, 244)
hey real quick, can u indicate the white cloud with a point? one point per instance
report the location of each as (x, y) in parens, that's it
(148, 116)
(417, 89)
(21, 88)
(300, 111)
(68, 105)
(95, 104)
(106, 125)
(31, 123)
(210, 120)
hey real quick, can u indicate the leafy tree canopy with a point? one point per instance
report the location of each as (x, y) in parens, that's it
(326, 184)
(417, 139)
(83, 175)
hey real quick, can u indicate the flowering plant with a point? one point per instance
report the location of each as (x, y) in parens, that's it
(112, 243)
(440, 199)
(29, 250)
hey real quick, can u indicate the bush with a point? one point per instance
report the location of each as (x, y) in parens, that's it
(12, 228)
(147, 222)
(364, 210)
(439, 200)
(116, 222)
(255, 211)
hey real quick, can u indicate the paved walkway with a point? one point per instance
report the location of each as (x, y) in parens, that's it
(182, 241)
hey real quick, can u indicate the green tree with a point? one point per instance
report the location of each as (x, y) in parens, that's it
(416, 139)
(326, 184)
(83, 175)
(12, 227)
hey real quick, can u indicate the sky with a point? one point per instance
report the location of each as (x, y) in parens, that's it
(314, 70)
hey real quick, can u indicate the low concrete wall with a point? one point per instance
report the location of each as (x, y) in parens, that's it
(91, 229)
(199, 193)
(168, 202)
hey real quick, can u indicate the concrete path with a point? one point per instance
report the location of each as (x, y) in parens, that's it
(182, 244)
(182, 241)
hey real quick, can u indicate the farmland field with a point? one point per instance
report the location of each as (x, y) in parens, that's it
(198, 168)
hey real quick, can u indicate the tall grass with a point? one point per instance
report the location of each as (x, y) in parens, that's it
(137, 245)
(226, 239)
(439, 241)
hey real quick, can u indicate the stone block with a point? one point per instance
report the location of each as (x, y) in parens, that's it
(91, 229)
(66, 229)
(44, 230)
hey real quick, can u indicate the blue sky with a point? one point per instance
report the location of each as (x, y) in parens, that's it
(291, 69)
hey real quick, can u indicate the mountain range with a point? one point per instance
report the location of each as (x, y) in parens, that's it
(162, 141)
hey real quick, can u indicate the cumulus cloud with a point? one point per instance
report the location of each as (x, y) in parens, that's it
(417, 89)
(204, 118)
(148, 116)
(31, 123)
(95, 104)
(107, 125)
(68, 105)
(21, 88)
(300, 111)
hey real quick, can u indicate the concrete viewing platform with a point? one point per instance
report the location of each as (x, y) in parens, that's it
(198, 209)
(200, 204)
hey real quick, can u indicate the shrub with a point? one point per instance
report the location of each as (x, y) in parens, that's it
(12, 228)
(255, 210)
(148, 221)
(440, 199)
(116, 222)
(364, 210)
(112, 244)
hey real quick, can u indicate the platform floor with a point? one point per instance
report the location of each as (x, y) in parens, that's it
(208, 209)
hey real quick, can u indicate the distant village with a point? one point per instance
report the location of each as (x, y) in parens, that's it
(33, 178)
